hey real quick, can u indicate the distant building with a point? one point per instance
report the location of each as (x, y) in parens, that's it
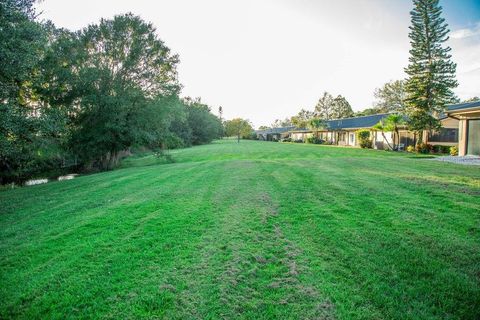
(274, 134)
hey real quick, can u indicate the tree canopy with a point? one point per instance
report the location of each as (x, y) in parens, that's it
(89, 95)
(391, 97)
(302, 118)
(239, 128)
(22, 45)
(324, 107)
(329, 108)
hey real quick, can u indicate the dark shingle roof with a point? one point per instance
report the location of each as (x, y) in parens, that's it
(301, 130)
(460, 106)
(357, 122)
(337, 124)
(275, 130)
(364, 121)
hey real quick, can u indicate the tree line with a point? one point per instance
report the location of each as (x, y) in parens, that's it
(82, 100)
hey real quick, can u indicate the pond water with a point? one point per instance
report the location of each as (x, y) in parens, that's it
(67, 177)
(33, 182)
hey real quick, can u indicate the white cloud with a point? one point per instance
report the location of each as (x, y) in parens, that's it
(466, 33)
(465, 44)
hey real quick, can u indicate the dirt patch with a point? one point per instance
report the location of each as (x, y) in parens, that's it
(324, 309)
(238, 256)
(272, 208)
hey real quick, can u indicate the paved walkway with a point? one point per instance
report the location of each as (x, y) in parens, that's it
(467, 160)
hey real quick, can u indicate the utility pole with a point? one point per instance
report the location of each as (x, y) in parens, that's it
(220, 116)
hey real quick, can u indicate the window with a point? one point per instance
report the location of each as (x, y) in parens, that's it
(407, 138)
(443, 135)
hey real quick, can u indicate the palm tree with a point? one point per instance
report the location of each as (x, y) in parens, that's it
(391, 123)
(382, 128)
(316, 124)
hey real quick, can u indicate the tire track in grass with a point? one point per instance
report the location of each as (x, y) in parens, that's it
(246, 267)
(388, 248)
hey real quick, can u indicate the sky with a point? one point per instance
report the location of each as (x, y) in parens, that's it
(266, 59)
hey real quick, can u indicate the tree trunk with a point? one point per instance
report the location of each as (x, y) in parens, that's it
(110, 160)
(394, 140)
(385, 138)
(420, 137)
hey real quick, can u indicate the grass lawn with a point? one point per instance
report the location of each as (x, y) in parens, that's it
(254, 230)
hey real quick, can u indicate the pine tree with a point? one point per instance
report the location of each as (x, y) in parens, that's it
(341, 108)
(430, 70)
(323, 109)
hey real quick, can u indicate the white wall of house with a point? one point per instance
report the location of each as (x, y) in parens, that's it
(301, 135)
(380, 139)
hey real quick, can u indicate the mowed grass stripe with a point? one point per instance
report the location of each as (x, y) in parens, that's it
(392, 249)
(249, 230)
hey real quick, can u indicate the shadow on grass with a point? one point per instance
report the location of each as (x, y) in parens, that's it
(421, 157)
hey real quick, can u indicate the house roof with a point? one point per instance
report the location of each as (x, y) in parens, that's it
(275, 130)
(301, 130)
(365, 121)
(462, 106)
(336, 124)
(356, 122)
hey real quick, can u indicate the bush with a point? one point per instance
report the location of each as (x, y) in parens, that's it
(251, 136)
(298, 141)
(454, 151)
(315, 140)
(424, 148)
(287, 140)
(366, 144)
(364, 139)
(410, 149)
(441, 149)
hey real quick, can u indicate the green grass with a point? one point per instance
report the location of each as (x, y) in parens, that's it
(256, 231)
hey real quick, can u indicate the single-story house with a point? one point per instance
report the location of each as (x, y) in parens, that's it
(468, 117)
(344, 130)
(446, 136)
(274, 134)
(460, 127)
(300, 134)
(340, 131)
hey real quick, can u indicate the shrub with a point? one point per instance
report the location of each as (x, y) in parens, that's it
(251, 136)
(424, 148)
(441, 149)
(366, 144)
(445, 149)
(287, 140)
(298, 141)
(364, 139)
(410, 149)
(315, 140)
(454, 151)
